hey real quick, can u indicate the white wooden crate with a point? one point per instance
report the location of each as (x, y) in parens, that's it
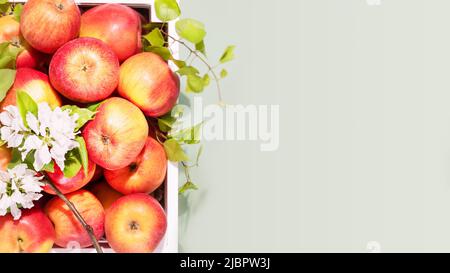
(169, 244)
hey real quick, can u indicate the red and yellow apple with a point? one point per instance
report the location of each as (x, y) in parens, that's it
(68, 185)
(145, 174)
(5, 157)
(147, 81)
(49, 24)
(117, 25)
(35, 84)
(117, 134)
(105, 194)
(84, 70)
(68, 229)
(32, 233)
(135, 223)
(10, 32)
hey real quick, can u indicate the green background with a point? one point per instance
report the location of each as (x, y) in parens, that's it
(364, 156)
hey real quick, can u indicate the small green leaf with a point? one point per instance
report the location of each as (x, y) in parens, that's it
(191, 30)
(165, 122)
(16, 158)
(72, 164)
(50, 167)
(8, 55)
(187, 186)
(164, 52)
(84, 115)
(93, 107)
(174, 151)
(167, 10)
(228, 55)
(18, 11)
(155, 38)
(83, 153)
(189, 135)
(179, 63)
(26, 104)
(7, 77)
(201, 47)
(188, 70)
(223, 73)
(195, 83)
(206, 80)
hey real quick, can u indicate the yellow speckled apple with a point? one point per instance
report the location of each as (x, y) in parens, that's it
(147, 81)
(68, 228)
(104, 22)
(145, 174)
(35, 84)
(48, 24)
(117, 134)
(135, 223)
(32, 233)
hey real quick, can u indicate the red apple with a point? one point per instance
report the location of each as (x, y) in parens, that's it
(35, 84)
(104, 22)
(105, 194)
(85, 70)
(49, 24)
(145, 174)
(68, 228)
(32, 233)
(68, 185)
(147, 81)
(28, 57)
(135, 223)
(117, 134)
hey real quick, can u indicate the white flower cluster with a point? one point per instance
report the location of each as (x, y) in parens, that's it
(19, 187)
(51, 134)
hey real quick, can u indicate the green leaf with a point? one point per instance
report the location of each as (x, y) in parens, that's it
(83, 153)
(155, 38)
(84, 115)
(187, 186)
(50, 167)
(174, 151)
(72, 164)
(195, 83)
(8, 55)
(165, 122)
(164, 52)
(18, 11)
(26, 104)
(228, 55)
(16, 158)
(201, 47)
(191, 30)
(206, 80)
(7, 77)
(179, 63)
(167, 10)
(189, 135)
(223, 73)
(93, 107)
(188, 70)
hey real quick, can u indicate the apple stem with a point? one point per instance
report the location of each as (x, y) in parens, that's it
(77, 214)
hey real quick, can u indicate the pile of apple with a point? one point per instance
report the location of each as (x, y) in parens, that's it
(81, 58)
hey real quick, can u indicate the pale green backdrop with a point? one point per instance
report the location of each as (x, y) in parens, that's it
(364, 156)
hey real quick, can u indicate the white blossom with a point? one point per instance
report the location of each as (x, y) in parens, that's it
(50, 134)
(19, 187)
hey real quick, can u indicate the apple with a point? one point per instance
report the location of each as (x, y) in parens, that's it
(68, 229)
(5, 157)
(85, 70)
(68, 185)
(135, 223)
(116, 135)
(32, 233)
(147, 81)
(145, 174)
(105, 194)
(10, 32)
(104, 22)
(35, 84)
(49, 24)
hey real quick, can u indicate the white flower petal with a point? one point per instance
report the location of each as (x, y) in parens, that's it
(41, 158)
(33, 123)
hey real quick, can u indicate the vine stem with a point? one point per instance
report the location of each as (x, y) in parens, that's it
(77, 214)
(210, 68)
